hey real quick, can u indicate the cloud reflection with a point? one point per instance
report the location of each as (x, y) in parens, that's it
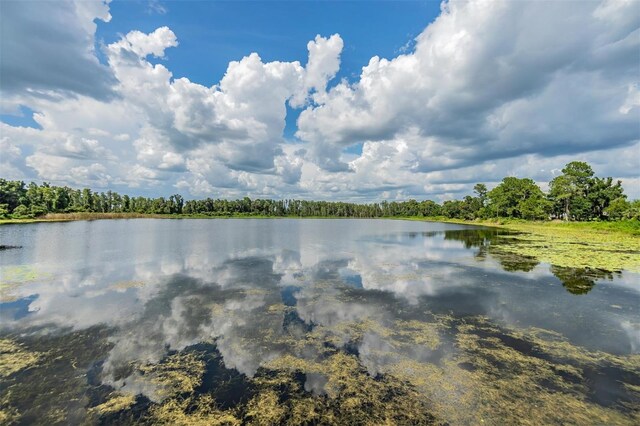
(255, 299)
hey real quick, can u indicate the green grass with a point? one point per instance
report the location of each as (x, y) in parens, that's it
(631, 227)
(67, 217)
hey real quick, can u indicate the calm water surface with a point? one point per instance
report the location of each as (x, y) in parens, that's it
(306, 322)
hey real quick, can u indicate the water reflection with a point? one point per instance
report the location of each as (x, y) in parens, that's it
(581, 280)
(489, 243)
(151, 315)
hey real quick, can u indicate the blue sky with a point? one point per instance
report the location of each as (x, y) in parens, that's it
(212, 34)
(354, 101)
(276, 30)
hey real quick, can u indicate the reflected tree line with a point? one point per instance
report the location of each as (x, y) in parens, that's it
(488, 243)
(576, 194)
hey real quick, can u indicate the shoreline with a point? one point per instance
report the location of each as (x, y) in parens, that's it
(627, 226)
(608, 246)
(624, 226)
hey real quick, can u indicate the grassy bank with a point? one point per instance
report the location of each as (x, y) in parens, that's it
(67, 217)
(629, 227)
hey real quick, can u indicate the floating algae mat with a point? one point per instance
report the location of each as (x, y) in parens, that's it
(14, 279)
(301, 322)
(612, 251)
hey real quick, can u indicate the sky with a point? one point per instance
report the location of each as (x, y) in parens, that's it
(354, 101)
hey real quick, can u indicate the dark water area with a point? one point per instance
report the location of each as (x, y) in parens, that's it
(304, 322)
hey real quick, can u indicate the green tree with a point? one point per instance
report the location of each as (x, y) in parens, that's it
(21, 212)
(126, 203)
(633, 212)
(61, 199)
(430, 208)
(617, 209)
(453, 209)
(12, 193)
(86, 200)
(176, 204)
(518, 198)
(569, 192)
(602, 193)
(481, 190)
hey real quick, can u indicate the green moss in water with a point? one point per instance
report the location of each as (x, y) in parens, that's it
(15, 357)
(576, 248)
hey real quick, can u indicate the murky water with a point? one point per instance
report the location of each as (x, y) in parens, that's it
(305, 322)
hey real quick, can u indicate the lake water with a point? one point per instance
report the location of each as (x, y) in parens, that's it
(307, 321)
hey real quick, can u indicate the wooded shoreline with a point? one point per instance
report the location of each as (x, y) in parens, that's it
(630, 226)
(575, 195)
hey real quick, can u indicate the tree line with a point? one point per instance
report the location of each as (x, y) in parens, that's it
(576, 194)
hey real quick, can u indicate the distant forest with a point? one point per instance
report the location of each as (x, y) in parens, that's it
(576, 194)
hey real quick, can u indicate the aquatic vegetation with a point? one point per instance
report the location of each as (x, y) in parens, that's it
(495, 375)
(116, 402)
(265, 409)
(53, 389)
(258, 340)
(575, 247)
(176, 374)
(14, 277)
(14, 357)
(353, 396)
(419, 332)
(191, 411)
(611, 246)
(19, 273)
(8, 416)
(507, 376)
(276, 308)
(124, 285)
(492, 375)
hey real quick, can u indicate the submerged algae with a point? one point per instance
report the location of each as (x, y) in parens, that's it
(14, 277)
(177, 374)
(14, 357)
(191, 411)
(491, 375)
(518, 377)
(353, 396)
(347, 364)
(54, 389)
(116, 402)
(494, 374)
(124, 285)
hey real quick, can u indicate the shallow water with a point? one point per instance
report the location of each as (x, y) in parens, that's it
(302, 321)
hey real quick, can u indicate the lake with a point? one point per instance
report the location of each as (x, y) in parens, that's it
(286, 321)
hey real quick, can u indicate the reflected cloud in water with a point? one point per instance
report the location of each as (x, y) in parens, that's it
(256, 288)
